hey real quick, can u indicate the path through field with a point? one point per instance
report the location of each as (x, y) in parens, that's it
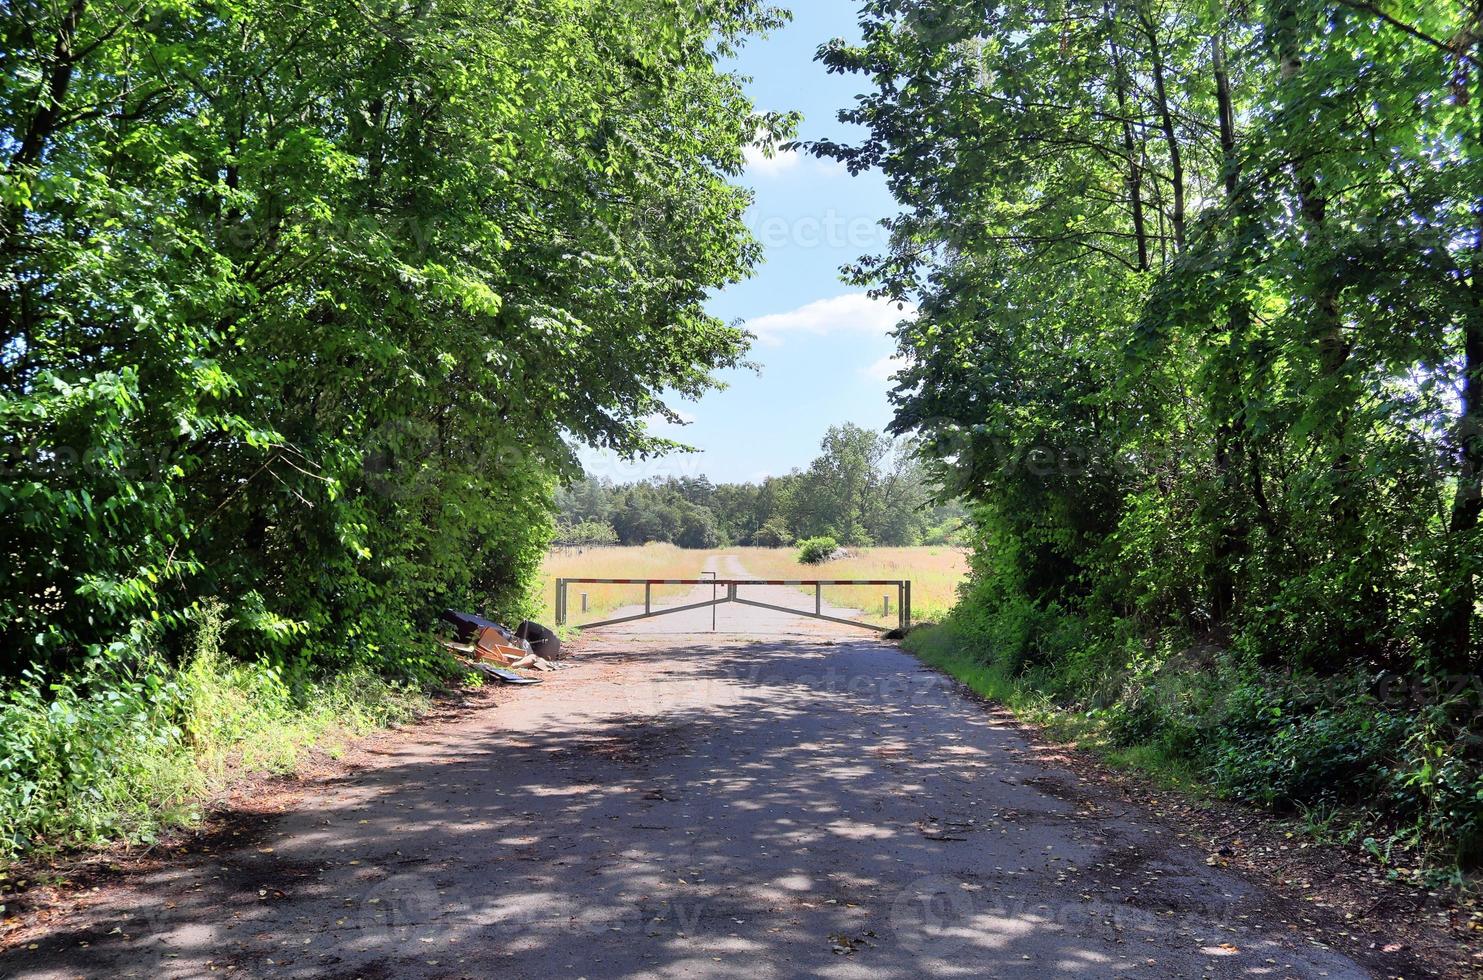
(807, 801)
(738, 620)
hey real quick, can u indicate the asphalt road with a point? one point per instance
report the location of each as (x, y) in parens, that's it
(687, 804)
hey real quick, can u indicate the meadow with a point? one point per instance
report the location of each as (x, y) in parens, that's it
(934, 571)
(647, 561)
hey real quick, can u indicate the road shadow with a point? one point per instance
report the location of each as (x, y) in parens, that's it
(695, 806)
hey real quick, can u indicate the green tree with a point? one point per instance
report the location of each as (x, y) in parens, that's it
(1198, 335)
(1193, 297)
(773, 534)
(304, 306)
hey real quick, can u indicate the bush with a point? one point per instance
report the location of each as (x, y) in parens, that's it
(1440, 779)
(90, 759)
(1284, 756)
(129, 746)
(816, 551)
(1405, 762)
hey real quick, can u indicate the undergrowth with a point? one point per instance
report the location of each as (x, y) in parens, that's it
(1357, 759)
(130, 746)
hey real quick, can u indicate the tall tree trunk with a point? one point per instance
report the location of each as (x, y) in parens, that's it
(1225, 108)
(1130, 148)
(1233, 544)
(51, 94)
(1332, 348)
(1166, 123)
(1467, 504)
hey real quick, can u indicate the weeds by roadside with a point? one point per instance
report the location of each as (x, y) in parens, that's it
(1344, 771)
(123, 752)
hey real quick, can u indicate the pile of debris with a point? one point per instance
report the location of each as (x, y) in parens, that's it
(497, 651)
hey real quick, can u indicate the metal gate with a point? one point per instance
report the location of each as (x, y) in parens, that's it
(733, 587)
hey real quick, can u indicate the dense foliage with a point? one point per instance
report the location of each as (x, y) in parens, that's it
(864, 488)
(303, 308)
(1201, 336)
(302, 305)
(105, 754)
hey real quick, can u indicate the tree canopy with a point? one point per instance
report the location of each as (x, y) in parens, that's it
(1199, 301)
(1201, 337)
(305, 306)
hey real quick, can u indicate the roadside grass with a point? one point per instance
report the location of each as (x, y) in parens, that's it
(935, 571)
(125, 755)
(1398, 850)
(648, 561)
(938, 646)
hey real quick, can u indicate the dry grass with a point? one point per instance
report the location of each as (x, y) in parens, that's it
(649, 561)
(935, 573)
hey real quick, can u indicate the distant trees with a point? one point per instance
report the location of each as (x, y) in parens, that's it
(586, 534)
(864, 488)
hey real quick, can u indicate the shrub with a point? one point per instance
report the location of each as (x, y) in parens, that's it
(1440, 779)
(816, 551)
(587, 534)
(129, 746)
(1328, 754)
(89, 759)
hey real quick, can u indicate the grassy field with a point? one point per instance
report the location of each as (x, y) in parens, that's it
(934, 573)
(649, 561)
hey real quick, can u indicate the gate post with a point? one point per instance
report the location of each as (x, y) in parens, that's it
(906, 604)
(560, 602)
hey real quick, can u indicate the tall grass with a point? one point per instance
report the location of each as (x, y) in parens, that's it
(934, 572)
(124, 752)
(648, 561)
(944, 647)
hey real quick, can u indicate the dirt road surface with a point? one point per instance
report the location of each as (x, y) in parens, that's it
(809, 802)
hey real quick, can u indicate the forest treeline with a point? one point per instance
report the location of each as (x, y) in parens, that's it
(864, 488)
(303, 309)
(1200, 335)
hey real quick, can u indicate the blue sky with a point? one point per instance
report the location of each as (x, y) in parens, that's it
(823, 346)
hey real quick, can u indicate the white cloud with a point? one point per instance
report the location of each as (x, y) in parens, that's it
(852, 312)
(882, 369)
(779, 163)
(787, 161)
(825, 167)
(658, 421)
